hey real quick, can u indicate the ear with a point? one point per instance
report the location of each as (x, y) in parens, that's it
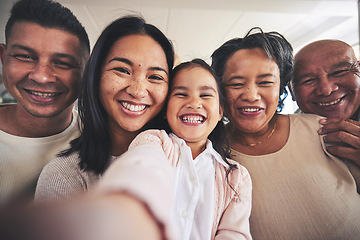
(221, 112)
(292, 91)
(2, 52)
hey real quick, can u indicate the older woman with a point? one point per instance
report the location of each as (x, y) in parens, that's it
(124, 88)
(299, 190)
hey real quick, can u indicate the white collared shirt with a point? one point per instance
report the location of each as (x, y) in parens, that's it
(194, 191)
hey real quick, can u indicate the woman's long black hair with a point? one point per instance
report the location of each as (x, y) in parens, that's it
(94, 143)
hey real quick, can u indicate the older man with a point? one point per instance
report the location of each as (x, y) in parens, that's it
(326, 81)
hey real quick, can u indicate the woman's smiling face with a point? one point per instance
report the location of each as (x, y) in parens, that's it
(134, 82)
(252, 85)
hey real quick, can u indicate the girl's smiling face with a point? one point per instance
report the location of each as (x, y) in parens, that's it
(193, 108)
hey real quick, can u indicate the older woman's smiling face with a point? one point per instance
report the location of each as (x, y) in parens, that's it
(252, 85)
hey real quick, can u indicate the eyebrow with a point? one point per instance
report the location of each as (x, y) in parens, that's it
(207, 88)
(302, 76)
(306, 75)
(32, 51)
(235, 77)
(127, 61)
(265, 75)
(18, 46)
(124, 60)
(345, 63)
(259, 76)
(201, 88)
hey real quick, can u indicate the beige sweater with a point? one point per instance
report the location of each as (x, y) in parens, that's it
(302, 192)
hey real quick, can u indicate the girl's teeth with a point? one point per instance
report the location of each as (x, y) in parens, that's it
(330, 103)
(193, 119)
(133, 108)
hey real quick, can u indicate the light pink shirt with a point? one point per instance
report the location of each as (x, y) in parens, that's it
(150, 154)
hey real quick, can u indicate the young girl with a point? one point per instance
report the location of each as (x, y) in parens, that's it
(212, 193)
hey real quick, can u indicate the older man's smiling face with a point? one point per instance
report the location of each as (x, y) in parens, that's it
(326, 79)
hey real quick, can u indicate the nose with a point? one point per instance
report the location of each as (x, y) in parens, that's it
(194, 103)
(325, 86)
(250, 93)
(137, 88)
(42, 73)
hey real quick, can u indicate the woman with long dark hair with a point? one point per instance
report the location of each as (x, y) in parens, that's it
(124, 87)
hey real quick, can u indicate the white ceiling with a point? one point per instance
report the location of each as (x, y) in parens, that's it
(198, 27)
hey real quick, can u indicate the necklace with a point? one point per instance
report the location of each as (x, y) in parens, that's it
(267, 137)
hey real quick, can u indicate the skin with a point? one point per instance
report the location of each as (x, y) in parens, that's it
(42, 68)
(110, 216)
(342, 138)
(133, 86)
(252, 84)
(324, 85)
(193, 108)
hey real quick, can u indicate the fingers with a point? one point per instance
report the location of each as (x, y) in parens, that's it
(334, 125)
(343, 138)
(337, 120)
(339, 132)
(344, 152)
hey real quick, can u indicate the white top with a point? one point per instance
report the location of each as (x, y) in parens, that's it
(23, 158)
(194, 191)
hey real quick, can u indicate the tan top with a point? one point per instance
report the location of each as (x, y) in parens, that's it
(302, 192)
